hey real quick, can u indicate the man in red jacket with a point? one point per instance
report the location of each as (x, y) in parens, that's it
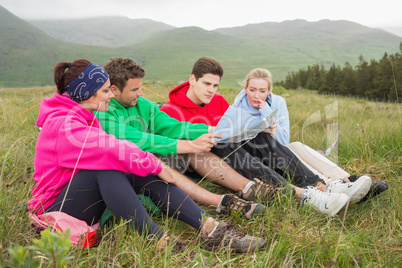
(197, 105)
(196, 101)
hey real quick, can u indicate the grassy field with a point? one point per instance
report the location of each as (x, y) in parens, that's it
(364, 235)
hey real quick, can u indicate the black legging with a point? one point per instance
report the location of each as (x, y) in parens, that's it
(281, 159)
(91, 191)
(267, 159)
(246, 164)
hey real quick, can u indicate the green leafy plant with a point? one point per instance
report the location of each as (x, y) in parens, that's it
(19, 257)
(54, 246)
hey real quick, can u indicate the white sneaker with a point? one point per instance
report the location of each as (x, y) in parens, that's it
(327, 203)
(355, 190)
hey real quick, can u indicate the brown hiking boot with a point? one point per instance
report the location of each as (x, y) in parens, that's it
(262, 191)
(179, 246)
(228, 235)
(173, 241)
(248, 209)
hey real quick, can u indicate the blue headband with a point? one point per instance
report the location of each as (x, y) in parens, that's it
(87, 83)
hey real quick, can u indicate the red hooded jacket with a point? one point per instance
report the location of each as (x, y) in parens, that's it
(183, 109)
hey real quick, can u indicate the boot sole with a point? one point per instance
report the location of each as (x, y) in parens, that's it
(245, 250)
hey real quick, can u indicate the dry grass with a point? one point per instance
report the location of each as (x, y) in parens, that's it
(366, 235)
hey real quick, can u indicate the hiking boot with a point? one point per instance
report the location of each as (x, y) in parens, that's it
(177, 246)
(327, 203)
(355, 190)
(228, 235)
(248, 209)
(262, 191)
(375, 189)
(173, 241)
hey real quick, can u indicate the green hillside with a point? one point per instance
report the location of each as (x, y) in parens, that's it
(28, 54)
(298, 44)
(324, 41)
(170, 55)
(113, 31)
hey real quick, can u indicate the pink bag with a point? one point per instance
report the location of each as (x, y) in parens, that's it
(81, 234)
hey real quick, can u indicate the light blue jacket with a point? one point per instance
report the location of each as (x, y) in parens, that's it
(274, 102)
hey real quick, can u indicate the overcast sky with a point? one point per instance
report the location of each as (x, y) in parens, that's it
(212, 14)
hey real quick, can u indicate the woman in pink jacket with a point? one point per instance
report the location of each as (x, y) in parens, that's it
(80, 170)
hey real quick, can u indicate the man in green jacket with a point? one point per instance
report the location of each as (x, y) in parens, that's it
(132, 117)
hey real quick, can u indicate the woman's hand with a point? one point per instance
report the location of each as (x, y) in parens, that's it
(166, 175)
(261, 104)
(272, 129)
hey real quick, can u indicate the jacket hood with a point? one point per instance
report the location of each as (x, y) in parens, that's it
(239, 97)
(243, 95)
(178, 96)
(60, 105)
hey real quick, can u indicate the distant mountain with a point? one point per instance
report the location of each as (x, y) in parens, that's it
(280, 47)
(323, 41)
(27, 55)
(171, 54)
(395, 30)
(113, 31)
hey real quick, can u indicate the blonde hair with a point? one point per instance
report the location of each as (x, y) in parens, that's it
(258, 73)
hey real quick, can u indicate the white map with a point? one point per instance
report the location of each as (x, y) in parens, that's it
(236, 126)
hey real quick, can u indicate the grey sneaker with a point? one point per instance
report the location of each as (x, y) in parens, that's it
(327, 203)
(355, 190)
(228, 235)
(248, 209)
(262, 191)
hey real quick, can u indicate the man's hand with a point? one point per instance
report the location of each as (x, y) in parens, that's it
(202, 144)
(272, 129)
(166, 175)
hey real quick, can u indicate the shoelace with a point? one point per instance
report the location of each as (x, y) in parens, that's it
(259, 189)
(334, 184)
(308, 196)
(320, 196)
(234, 203)
(234, 231)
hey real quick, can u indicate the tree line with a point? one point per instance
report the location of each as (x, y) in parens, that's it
(374, 80)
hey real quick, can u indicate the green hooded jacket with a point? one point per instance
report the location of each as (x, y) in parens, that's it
(150, 129)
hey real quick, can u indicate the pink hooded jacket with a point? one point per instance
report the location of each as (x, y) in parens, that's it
(72, 139)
